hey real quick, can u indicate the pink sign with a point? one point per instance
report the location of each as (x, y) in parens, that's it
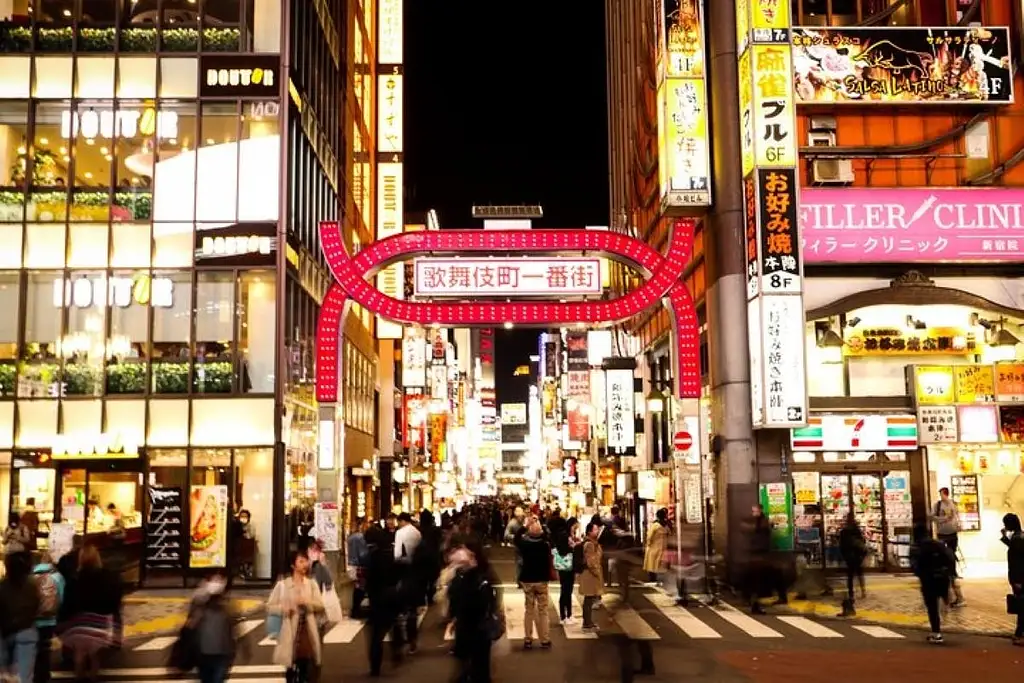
(889, 225)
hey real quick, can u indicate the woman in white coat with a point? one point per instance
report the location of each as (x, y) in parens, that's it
(297, 600)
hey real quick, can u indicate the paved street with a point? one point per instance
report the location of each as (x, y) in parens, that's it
(699, 643)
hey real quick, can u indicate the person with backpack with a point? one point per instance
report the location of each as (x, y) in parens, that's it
(854, 549)
(934, 565)
(564, 556)
(50, 584)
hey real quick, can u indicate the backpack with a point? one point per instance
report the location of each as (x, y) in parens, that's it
(578, 561)
(49, 595)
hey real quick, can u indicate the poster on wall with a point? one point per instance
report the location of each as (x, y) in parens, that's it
(62, 540)
(163, 527)
(963, 490)
(777, 502)
(208, 527)
(325, 524)
(919, 65)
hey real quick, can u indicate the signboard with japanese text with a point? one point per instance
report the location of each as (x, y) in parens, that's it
(620, 407)
(975, 383)
(390, 216)
(1009, 382)
(903, 65)
(933, 385)
(775, 142)
(578, 392)
(389, 113)
(414, 358)
(462, 277)
(936, 424)
(920, 225)
(768, 144)
(513, 414)
(899, 341)
(390, 31)
(779, 258)
(684, 152)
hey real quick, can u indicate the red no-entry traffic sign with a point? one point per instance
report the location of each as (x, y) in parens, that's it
(682, 441)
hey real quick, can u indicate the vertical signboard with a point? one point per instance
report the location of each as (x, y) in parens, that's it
(684, 163)
(578, 394)
(619, 404)
(768, 142)
(414, 358)
(390, 147)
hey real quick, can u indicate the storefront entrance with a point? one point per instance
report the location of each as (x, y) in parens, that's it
(880, 501)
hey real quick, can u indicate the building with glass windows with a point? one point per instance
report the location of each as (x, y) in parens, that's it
(162, 176)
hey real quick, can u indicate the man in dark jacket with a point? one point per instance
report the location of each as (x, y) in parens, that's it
(935, 565)
(1013, 538)
(535, 550)
(383, 594)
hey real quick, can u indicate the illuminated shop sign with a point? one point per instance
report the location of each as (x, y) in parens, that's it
(685, 162)
(919, 65)
(242, 75)
(389, 21)
(123, 123)
(442, 277)
(121, 292)
(912, 225)
(239, 244)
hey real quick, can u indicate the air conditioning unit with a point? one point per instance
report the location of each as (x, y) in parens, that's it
(832, 172)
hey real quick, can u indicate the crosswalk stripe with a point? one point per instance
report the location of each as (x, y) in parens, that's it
(156, 644)
(811, 628)
(879, 632)
(574, 629)
(629, 620)
(749, 625)
(246, 627)
(687, 622)
(152, 671)
(515, 609)
(344, 632)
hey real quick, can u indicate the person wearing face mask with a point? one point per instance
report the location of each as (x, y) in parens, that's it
(213, 619)
(474, 609)
(297, 600)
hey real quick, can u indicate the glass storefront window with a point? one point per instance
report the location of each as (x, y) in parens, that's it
(174, 186)
(40, 367)
(9, 303)
(259, 149)
(127, 345)
(256, 331)
(172, 337)
(217, 177)
(83, 348)
(93, 127)
(215, 321)
(48, 179)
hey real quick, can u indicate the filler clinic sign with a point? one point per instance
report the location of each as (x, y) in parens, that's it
(461, 277)
(390, 147)
(685, 167)
(912, 65)
(923, 225)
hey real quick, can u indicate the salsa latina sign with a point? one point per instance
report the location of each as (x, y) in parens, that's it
(354, 283)
(872, 225)
(876, 65)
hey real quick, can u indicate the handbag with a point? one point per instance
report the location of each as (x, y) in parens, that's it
(184, 656)
(273, 626)
(1013, 604)
(332, 606)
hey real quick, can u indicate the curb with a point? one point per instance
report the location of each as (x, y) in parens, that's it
(812, 609)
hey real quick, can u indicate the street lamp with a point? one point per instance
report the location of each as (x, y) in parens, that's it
(656, 401)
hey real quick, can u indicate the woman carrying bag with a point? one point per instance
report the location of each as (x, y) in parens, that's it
(296, 600)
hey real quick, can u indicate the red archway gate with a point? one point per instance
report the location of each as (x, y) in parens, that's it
(663, 279)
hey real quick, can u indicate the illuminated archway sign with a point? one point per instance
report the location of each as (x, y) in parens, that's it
(353, 278)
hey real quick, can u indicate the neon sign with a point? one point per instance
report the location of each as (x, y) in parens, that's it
(663, 277)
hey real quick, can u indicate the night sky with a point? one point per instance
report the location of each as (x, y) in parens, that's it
(505, 104)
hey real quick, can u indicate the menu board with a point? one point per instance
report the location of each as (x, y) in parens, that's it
(963, 489)
(163, 527)
(208, 527)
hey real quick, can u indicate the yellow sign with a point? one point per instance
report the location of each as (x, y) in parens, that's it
(686, 42)
(742, 24)
(686, 143)
(746, 85)
(935, 341)
(975, 383)
(933, 385)
(774, 130)
(103, 446)
(769, 15)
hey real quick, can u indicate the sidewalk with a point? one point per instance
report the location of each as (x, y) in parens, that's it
(896, 600)
(162, 612)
